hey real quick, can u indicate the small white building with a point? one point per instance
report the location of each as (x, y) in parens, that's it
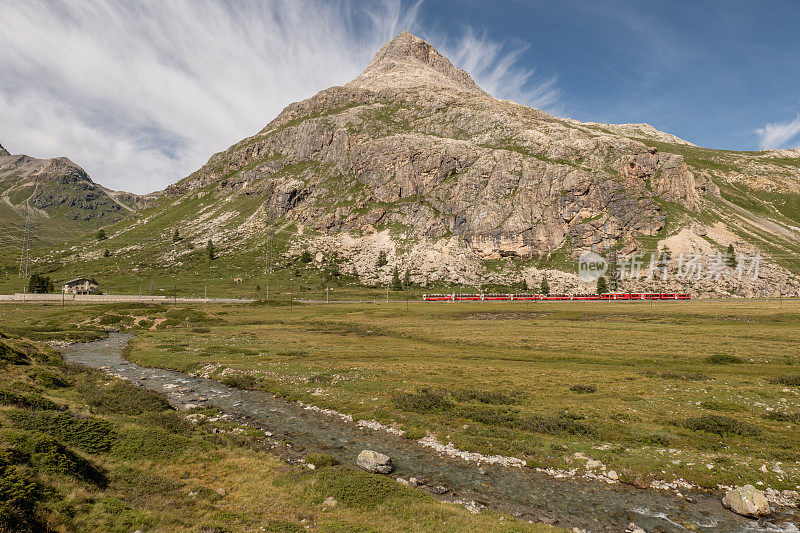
(80, 286)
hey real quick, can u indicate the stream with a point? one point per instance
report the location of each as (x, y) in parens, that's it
(522, 492)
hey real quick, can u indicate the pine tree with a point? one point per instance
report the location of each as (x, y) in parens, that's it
(306, 257)
(407, 279)
(40, 284)
(382, 261)
(258, 288)
(397, 285)
(107, 253)
(101, 235)
(613, 272)
(730, 256)
(602, 286)
(176, 236)
(544, 288)
(524, 285)
(210, 250)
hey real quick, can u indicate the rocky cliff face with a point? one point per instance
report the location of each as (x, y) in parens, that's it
(57, 195)
(414, 142)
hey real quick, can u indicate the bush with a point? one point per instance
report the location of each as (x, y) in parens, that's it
(423, 401)
(89, 434)
(415, 434)
(554, 425)
(723, 359)
(31, 401)
(320, 460)
(149, 444)
(12, 356)
(359, 489)
(720, 425)
(791, 381)
(49, 380)
(583, 389)
(488, 415)
(19, 495)
(493, 398)
(681, 376)
(121, 398)
(45, 452)
(794, 418)
(306, 257)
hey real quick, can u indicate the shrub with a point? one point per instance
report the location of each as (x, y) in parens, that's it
(415, 434)
(306, 257)
(554, 425)
(682, 376)
(794, 418)
(320, 460)
(121, 397)
(583, 389)
(720, 425)
(723, 359)
(31, 401)
(494, 398)
(45, 452)
(89, 434)
(791, 381)
(49, 380)
(488, 415)
(713, 405)
(359, 489)
(423, 401)
(12, 356)
(19, 495)
(149, 444)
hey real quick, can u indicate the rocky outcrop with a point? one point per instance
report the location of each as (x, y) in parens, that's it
(413, 142)
(747, 501)
(3, 151)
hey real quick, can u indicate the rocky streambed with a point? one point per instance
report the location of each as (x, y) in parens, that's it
(523, 492)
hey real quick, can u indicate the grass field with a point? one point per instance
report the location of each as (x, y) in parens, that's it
(82, 451)
(704, 391)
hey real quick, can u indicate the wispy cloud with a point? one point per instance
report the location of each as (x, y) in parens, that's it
(780, 134)
(142, 93)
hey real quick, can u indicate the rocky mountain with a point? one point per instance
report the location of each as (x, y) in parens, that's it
(58, 198)
(412, 158)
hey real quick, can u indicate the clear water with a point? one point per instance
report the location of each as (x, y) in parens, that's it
(590, 505)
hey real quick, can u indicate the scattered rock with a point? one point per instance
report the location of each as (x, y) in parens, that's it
(330, 502)
(747, 501)
(438, 489)
(547, 520)
(374, 462)
(221, 491)
(611, 474)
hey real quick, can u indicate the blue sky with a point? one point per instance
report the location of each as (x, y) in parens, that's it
(142, 93)
(711, 72)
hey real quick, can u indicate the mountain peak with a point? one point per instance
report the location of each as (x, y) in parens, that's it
(408, 60)
(3, 151)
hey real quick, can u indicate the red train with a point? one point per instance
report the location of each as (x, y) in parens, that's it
(456, 297)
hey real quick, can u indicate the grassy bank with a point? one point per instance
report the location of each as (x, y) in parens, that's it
(81, 451)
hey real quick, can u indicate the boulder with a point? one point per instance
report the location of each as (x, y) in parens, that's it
(747, 501)
(374, 462)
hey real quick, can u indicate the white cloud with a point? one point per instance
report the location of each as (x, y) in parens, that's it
(141, 93)
(780, 134)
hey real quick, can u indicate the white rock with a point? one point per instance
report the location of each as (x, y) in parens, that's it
(747, 501)
(374, 462)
